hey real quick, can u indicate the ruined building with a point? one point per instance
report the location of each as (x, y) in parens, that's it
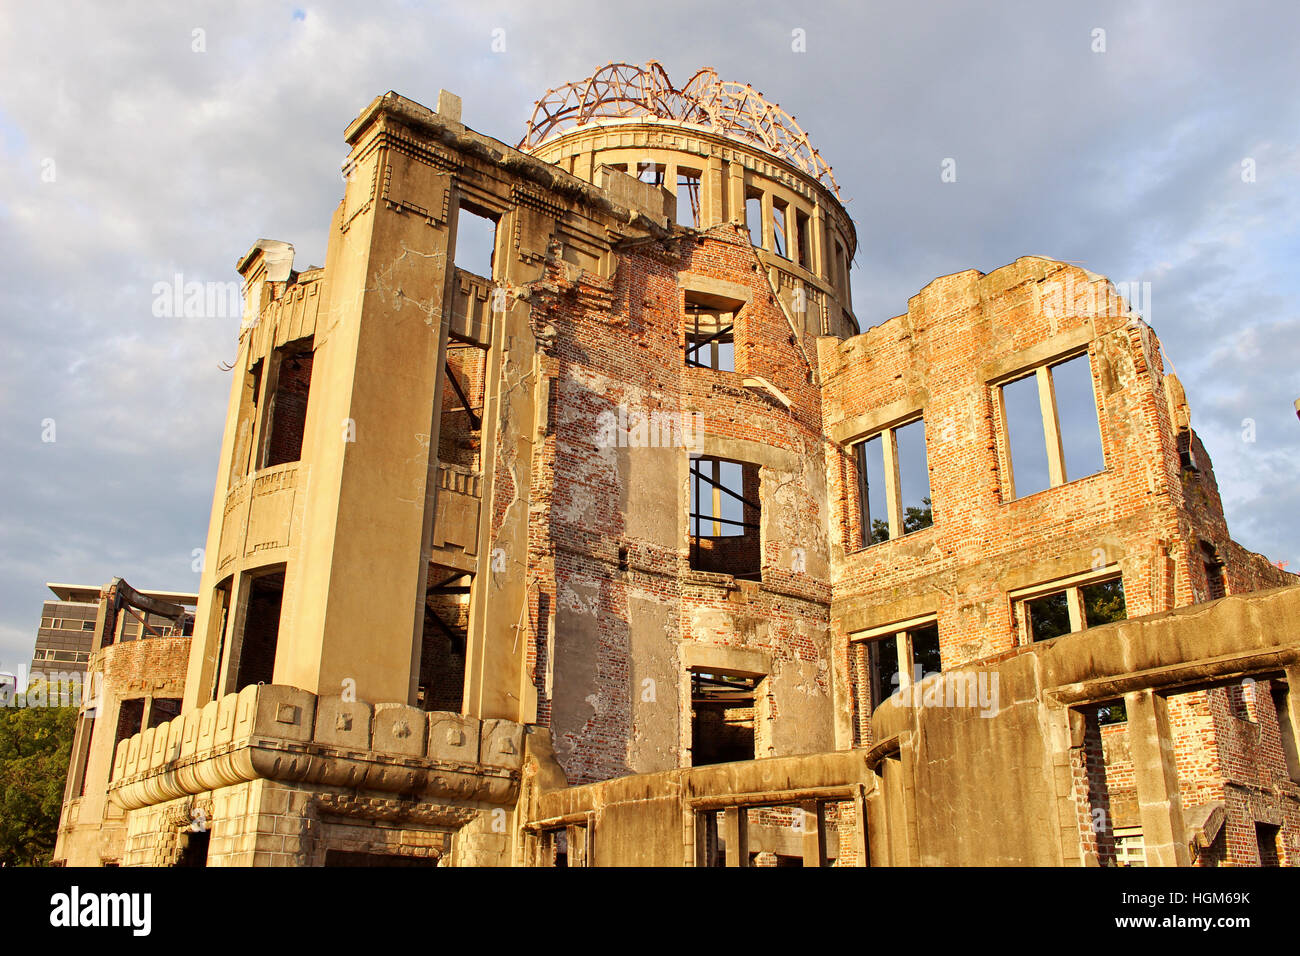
(567, 516)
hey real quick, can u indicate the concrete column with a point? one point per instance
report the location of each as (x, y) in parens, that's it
(713, 194)
(736, 191)
(814, 833)
(349, 605)
(1051, 427)
(861, 842)
(232, 641)
(1159, 803)
(1290, 721)
(1074, 603)
(582, 165)
(817, 243)
(892, 497)
(735, 832)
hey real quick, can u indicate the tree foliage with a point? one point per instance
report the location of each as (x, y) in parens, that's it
(35, 746)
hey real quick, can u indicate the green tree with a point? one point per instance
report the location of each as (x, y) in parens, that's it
(35, 746)
(914, 519)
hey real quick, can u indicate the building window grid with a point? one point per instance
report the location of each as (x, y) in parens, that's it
(890, 659)
(1051, 421)
(1075, 604)
(898, 517)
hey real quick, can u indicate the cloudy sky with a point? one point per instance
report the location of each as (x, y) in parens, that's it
(133, 149)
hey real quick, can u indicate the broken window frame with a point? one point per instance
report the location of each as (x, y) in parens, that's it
(464, 206)
(748, 687)
(803, 239)
(236, 672)
(697, 338)
(1057, 473)
(1216, 581)
(265, 410)
(754, 217)
(781, 215)
(1072, 587)
(896, 513)
(692, 181)
(750, 530)
(869, 690)
(651, 173)
(714, 481)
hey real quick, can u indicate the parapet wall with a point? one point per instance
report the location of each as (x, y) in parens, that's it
(287, 734)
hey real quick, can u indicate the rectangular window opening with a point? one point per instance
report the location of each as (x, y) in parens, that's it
(261, 631)
(221, 615)
(754, 217)
(163, 709)
(192, 847)
(1215, 585)
(779, 211)
(1130, 849)
(1052, 429)
(722, 717)
(130, 720)
(476, 241)
(652, 174)
(244, 458)
(286, 414)
(460, 431)
(893, 659)
(802, 226)
(710, 334)
(1025, 436)
(1103, 602)
(83, 740)
(1076, 409)
(913, 477)
(1049, 616)
(723, 518)
(1266, 838)
(688, 198)
(893, 483)
(443, 644)
(1090, 603)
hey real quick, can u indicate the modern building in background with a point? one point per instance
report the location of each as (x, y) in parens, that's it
(67, 631)
(567, 516)
(138, 645)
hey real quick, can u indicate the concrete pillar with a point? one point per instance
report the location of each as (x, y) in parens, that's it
(735, 832)
(817, 243)
(1051, 427)
(861, 842)
(231, 641)
(713, 194)
(348, 604)
(1290, 721)
(1156, 776)
(814, 833)
(736, 191)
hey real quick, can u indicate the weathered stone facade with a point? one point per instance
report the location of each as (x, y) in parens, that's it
(568, 562)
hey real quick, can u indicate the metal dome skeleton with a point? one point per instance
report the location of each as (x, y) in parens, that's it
(625, 91)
